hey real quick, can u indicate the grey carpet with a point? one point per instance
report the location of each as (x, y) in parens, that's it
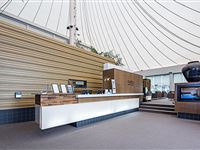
(139, 130)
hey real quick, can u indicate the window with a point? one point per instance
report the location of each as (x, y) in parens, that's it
(179, 78)
(162, 82)
(159, 83)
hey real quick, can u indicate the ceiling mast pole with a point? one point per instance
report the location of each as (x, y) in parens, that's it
(72, 27)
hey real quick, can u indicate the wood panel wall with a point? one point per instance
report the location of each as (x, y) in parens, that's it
(126, 82)
(147, 83)
(29, 62)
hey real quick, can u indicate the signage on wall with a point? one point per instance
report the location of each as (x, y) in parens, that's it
(130, 82)
(113, 86)
(78, 83)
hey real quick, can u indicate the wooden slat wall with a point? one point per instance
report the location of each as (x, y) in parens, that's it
(29, 61)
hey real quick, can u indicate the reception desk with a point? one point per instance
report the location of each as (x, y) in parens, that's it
(87, 109)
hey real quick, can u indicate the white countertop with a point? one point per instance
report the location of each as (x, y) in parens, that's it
(107, 95)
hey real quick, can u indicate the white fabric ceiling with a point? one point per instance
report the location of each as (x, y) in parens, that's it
(147, 34)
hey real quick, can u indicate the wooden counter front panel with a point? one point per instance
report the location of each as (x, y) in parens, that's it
(55, 99)
(126, 82)
(188, 107)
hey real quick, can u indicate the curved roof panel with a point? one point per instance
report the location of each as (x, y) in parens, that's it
(146, 34)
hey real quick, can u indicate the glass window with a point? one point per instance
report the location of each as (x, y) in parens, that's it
(162, 82)
(179, 78)
(159, 83)
(165, 83)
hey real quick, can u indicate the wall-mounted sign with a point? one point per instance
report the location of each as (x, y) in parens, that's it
(78, 83)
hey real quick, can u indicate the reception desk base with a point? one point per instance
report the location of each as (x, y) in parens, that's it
(83, 113)
(102, 118)
(188, 116)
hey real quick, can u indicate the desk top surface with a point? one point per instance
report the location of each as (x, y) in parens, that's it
(107, 95)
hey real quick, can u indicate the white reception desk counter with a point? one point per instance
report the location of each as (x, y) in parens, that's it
(107, 95)
(86, 107)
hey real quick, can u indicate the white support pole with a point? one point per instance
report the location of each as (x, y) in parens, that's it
(171, 81)
(72, 26)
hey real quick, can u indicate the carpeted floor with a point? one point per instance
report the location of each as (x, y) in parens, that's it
(139, 130)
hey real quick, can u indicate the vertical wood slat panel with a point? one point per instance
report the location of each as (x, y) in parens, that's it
(29, 61)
